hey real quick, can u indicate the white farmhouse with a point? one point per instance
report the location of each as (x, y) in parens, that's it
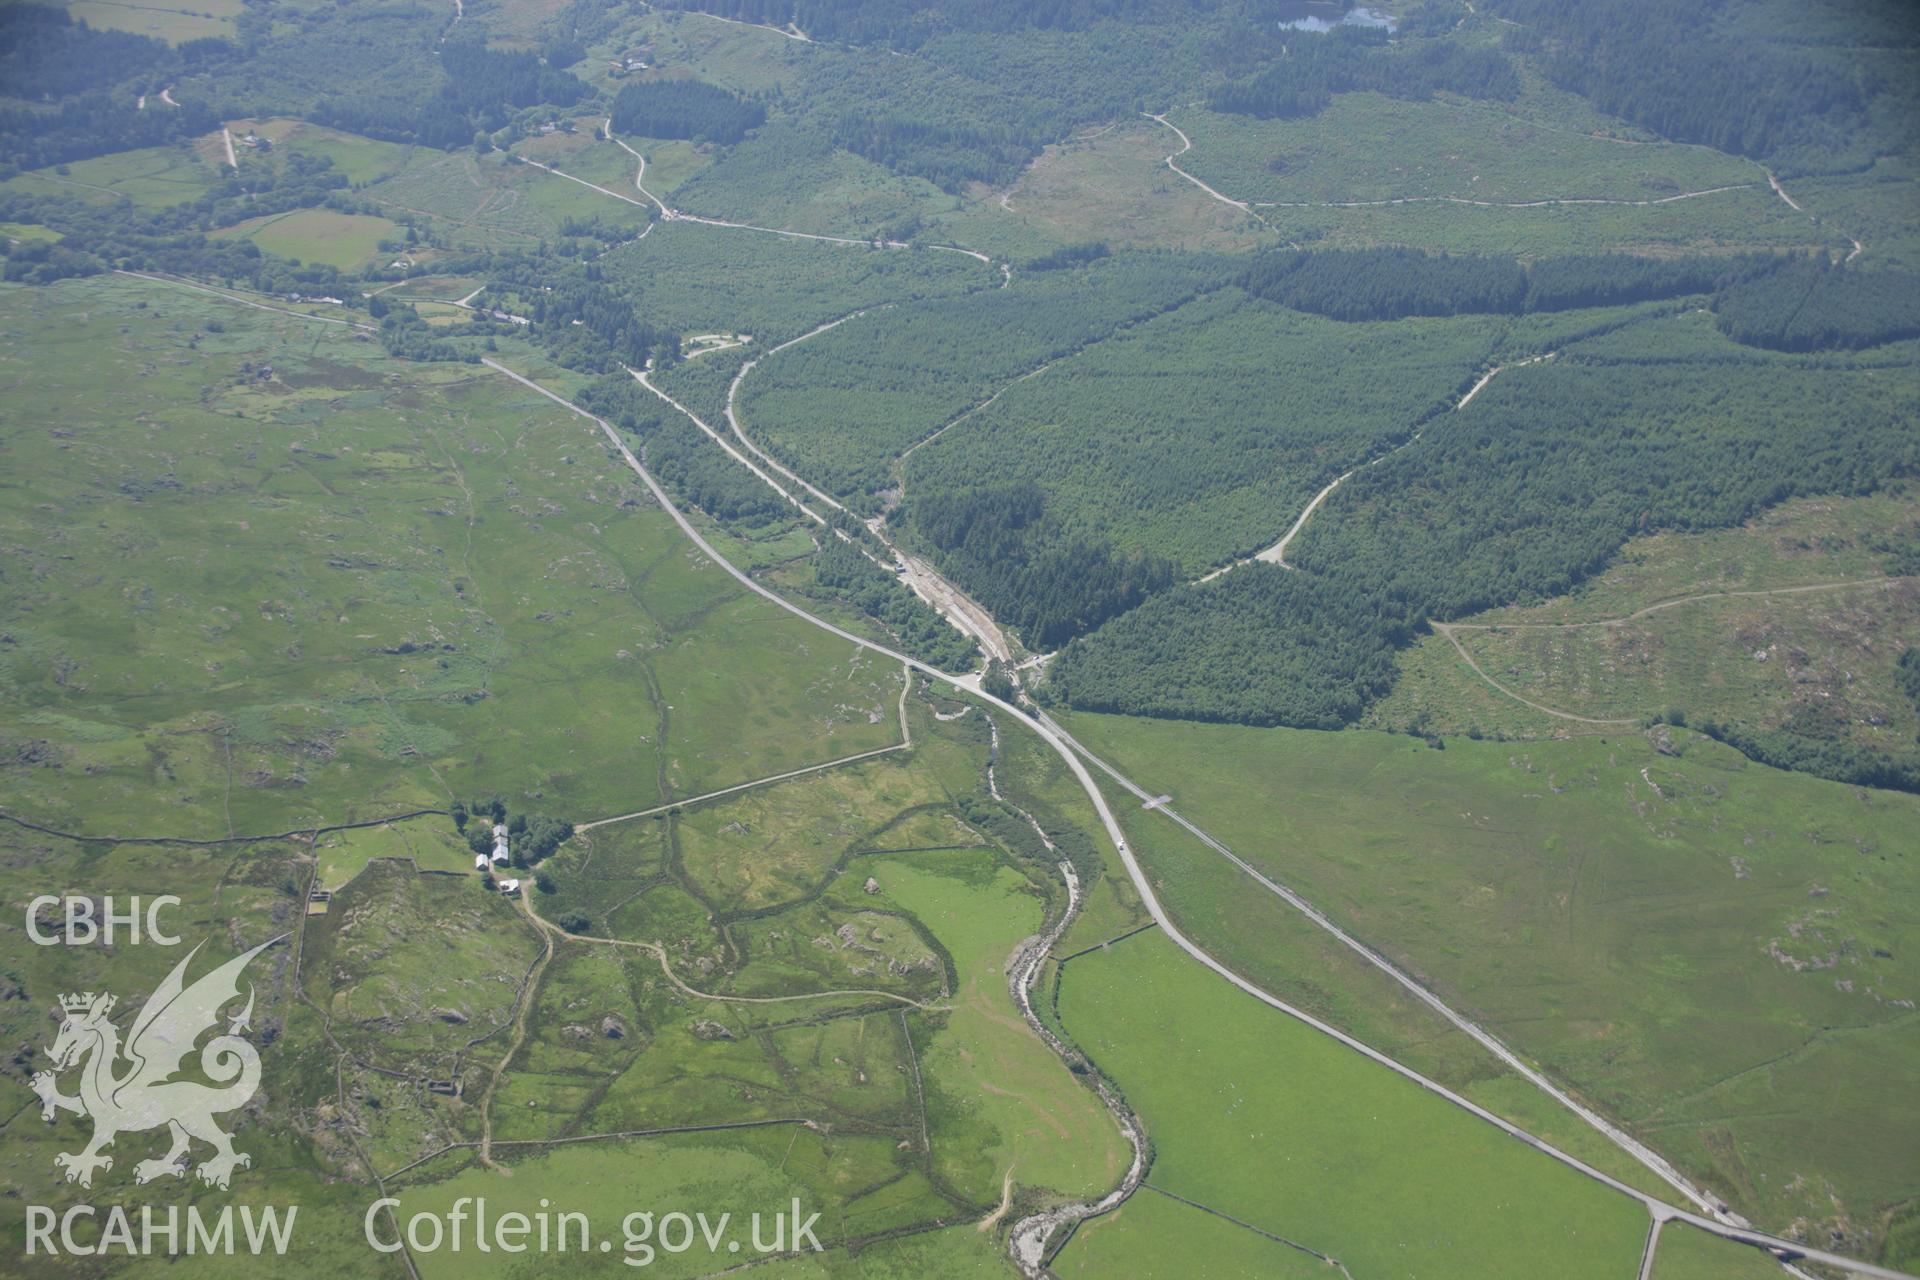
(510, 887)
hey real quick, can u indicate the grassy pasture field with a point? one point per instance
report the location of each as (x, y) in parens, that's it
(27, 232)
(344, 240)
(1258, 1117)
(1874, 207)
(628, 861)
(738, 58)
(792, 179)
(1680, 935)
(464, 595)
(1156, 1237)
(1269, 943)
(670, 162)
(1822, 659)
(1112, 184)
(699, 279)
(987, 1077)
(1746, 220)
(442, 314)
(486, 202)
(581, 154)
(1687, 1253)
(425, 842)
(150, 177)
(363, 160)
(776, 844)
(445, 289)
(521, 24)
(553, 200)
(174, 21)
(1367, 148)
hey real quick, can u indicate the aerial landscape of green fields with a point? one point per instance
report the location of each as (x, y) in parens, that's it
(1178, 639)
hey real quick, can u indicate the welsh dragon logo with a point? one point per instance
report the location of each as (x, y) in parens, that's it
(144, 1095)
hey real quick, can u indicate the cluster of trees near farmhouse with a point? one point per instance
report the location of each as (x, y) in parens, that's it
(533, 837)
(582, 321)
(587, 324)
(408, 337)
(482, 84)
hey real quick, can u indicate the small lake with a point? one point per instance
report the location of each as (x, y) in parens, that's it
(1322, 15)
